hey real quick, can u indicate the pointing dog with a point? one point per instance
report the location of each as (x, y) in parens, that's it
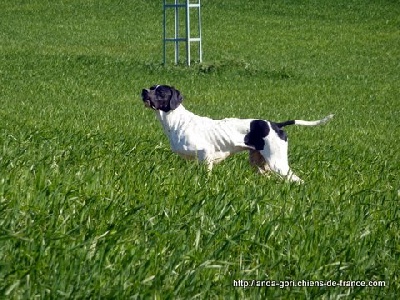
(211, 141)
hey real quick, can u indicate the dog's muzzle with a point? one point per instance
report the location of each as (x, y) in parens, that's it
(146, 100)
(148, 104)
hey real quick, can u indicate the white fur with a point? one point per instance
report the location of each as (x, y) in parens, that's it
(202, 138)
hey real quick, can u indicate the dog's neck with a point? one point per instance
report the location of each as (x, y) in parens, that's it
(174, 119)
(173, 115)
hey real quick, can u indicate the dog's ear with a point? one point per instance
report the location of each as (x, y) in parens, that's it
(176, 99)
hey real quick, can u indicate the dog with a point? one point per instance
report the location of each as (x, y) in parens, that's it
(211, 141)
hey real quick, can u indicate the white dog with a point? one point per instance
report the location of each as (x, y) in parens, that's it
(211, 141)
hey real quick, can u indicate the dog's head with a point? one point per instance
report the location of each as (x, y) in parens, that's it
(161, 97)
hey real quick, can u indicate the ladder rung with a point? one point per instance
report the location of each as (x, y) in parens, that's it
(174, 5)
(182, 39)
(175, 39)
(182, 5)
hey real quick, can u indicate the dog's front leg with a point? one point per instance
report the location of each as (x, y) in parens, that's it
(203, 156)
(211, 157)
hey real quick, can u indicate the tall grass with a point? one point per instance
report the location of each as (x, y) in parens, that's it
(93, 204)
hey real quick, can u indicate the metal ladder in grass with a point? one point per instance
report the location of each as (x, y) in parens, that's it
(177, 38)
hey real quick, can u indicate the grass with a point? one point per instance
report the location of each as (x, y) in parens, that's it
(93, 204)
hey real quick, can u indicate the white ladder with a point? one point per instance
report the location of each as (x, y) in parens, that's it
(187, 5)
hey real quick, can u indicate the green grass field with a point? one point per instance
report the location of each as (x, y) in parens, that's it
(93, 204)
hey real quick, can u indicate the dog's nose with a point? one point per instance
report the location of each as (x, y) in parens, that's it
(145, 94)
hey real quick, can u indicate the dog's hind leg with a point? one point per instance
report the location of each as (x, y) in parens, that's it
(275, 153)
(282, 168)
(257, 160)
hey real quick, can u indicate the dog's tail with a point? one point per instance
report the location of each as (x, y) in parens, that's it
(305, 123)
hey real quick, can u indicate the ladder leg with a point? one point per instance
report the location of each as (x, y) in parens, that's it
(187, 33)
(176, 32)
(200, 46)
(164, 34)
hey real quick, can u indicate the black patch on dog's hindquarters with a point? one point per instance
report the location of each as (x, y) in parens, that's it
(279, 131)
(259, 129)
